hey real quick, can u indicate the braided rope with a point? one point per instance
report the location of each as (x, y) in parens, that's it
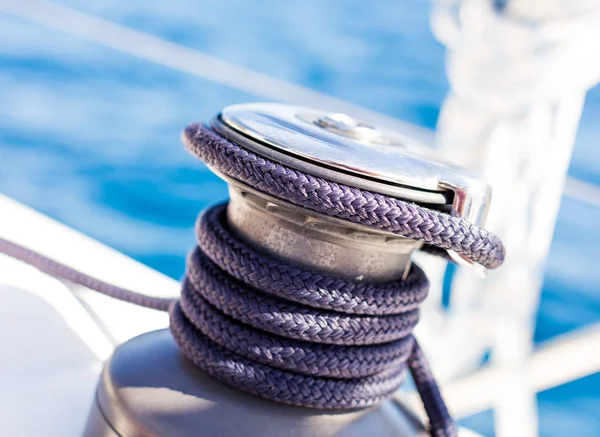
(280, 385)
(286, 319)
(304, 286)
(359, 206)
(290, 334)
(304, 354)
(327, 368)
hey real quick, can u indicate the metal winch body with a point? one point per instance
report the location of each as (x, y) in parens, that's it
(345, 150)
(149, 389)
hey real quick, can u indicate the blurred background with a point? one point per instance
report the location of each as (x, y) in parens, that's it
(93, 97)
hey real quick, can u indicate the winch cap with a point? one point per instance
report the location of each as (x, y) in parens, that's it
(356, 152)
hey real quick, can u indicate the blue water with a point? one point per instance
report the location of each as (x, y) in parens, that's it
(89, 135)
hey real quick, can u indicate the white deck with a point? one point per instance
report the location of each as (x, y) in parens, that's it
(56, 335)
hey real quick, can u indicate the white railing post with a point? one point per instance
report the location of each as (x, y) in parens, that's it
(519, 71)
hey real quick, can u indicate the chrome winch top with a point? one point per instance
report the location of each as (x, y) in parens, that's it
(356, 153)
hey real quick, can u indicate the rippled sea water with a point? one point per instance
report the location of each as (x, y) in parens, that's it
(89, 135)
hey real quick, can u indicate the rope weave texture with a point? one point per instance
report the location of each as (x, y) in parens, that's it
(409, 220)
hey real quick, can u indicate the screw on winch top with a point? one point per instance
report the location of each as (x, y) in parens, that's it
(345, 150)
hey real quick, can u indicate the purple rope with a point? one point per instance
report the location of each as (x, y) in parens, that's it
(409, 220)
(305, 338)
(294, 335)
(299, 337)
(58, 270)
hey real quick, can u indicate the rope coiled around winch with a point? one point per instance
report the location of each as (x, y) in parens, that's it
(309, 338)
(403, 218)
(290, 334)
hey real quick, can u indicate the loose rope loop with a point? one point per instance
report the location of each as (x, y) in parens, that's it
(289, 334)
